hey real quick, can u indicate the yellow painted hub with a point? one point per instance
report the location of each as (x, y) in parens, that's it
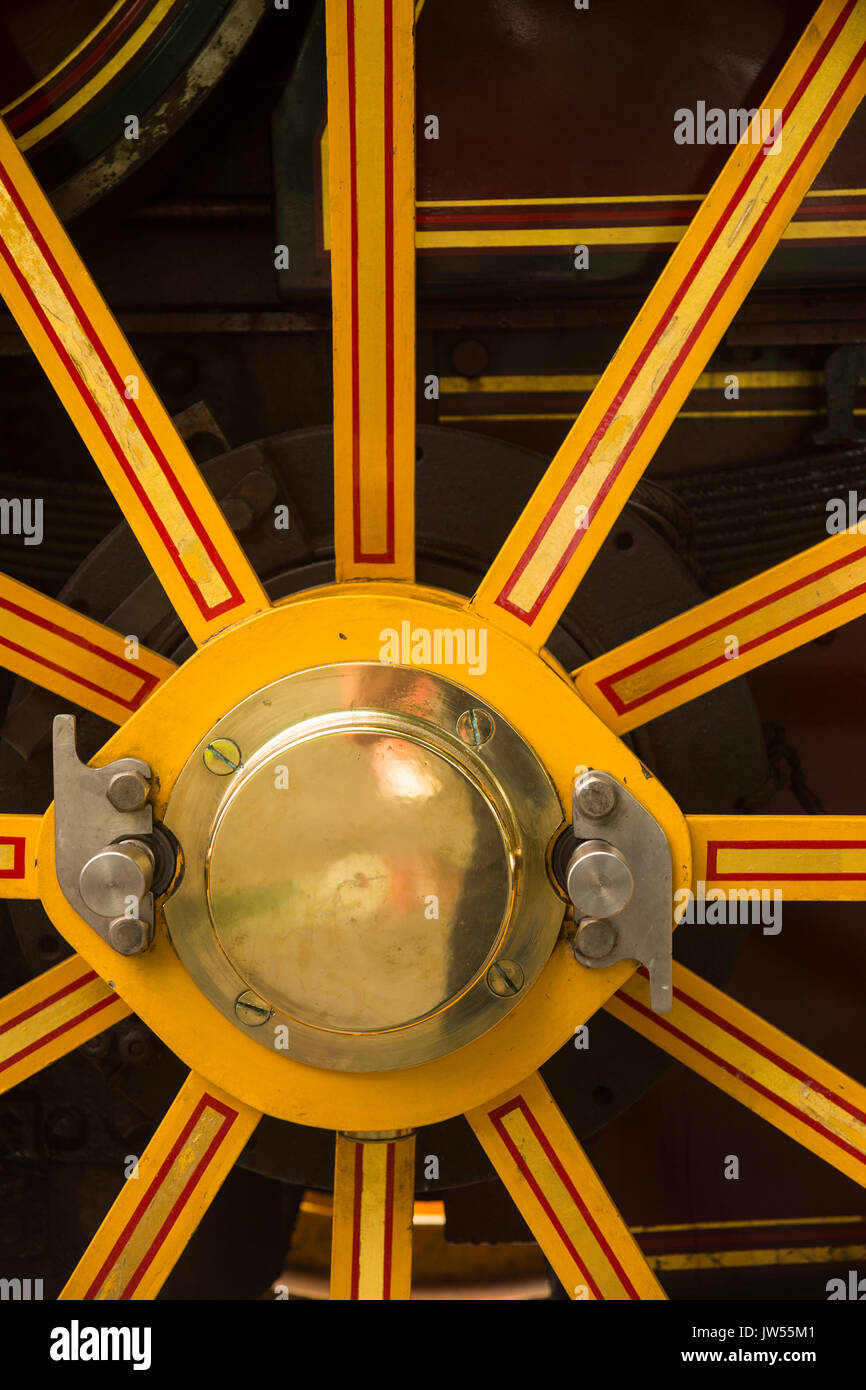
(344, 624)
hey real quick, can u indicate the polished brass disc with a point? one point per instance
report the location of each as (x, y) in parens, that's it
(358, 880)
(350, 883)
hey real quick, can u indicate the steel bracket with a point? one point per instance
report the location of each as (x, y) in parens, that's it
(644, 927)
(85, 821)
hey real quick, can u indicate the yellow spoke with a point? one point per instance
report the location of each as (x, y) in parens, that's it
(52, 1015)
(162, 1203)
(18, 836)
(374, 1192)
(371, 136)
(703, 284)
(814, 858)
(116, 411)
(81, 660)
(815, 591)
(755, 1063)
(561, 1197)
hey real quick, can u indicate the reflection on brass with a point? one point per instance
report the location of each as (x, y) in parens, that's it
(367, 892)
(364, 868)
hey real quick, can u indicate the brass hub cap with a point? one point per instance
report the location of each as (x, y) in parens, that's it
(365, 881)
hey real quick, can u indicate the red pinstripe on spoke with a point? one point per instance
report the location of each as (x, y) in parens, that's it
(208, 610)
(61, 1028)
(497, 1116)
(360, 554)
(18, 869)
(229, 1117)
(356, 1220)
(148, 679)
(389, 1221)
(606, 686)
(502, 599)
(45, 1003)
(713, 847)
(661, 1022)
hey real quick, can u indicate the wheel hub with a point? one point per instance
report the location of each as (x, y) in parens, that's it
(490, 1026)
(365, 880)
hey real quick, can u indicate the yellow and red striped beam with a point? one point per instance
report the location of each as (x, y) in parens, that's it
(758, 1065)
(18, 837)
(810, 858)
(703, 284)
(80, 660)
(815, 591)
(178, 1176)
(116, 411)
(52, 1015)
(374, 1192)
(371, 125)
(562, 1199)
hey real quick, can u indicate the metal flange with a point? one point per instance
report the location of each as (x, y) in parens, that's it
(619, 878)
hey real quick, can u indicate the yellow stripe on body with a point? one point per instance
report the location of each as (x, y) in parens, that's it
(105, 74)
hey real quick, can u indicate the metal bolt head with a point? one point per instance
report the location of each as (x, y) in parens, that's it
(114, 875)
(249, 499)
(598, 879)
(129, 936)
(595, 938)
(135, 1045)
(128, 791)
(251, 1009)
(505, 978)
(596, 796)
(66, 1127)
(222, 757)
(476, 727)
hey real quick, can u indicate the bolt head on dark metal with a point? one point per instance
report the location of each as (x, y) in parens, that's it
(128, 791)
(476, 727)
(222, 757)
(469, 357)
(135, 1045)
(252, 1010)
(66, 1127)
(238, 513)
(596, 797)
(505, 978)
(129, 936)
(595, 938)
